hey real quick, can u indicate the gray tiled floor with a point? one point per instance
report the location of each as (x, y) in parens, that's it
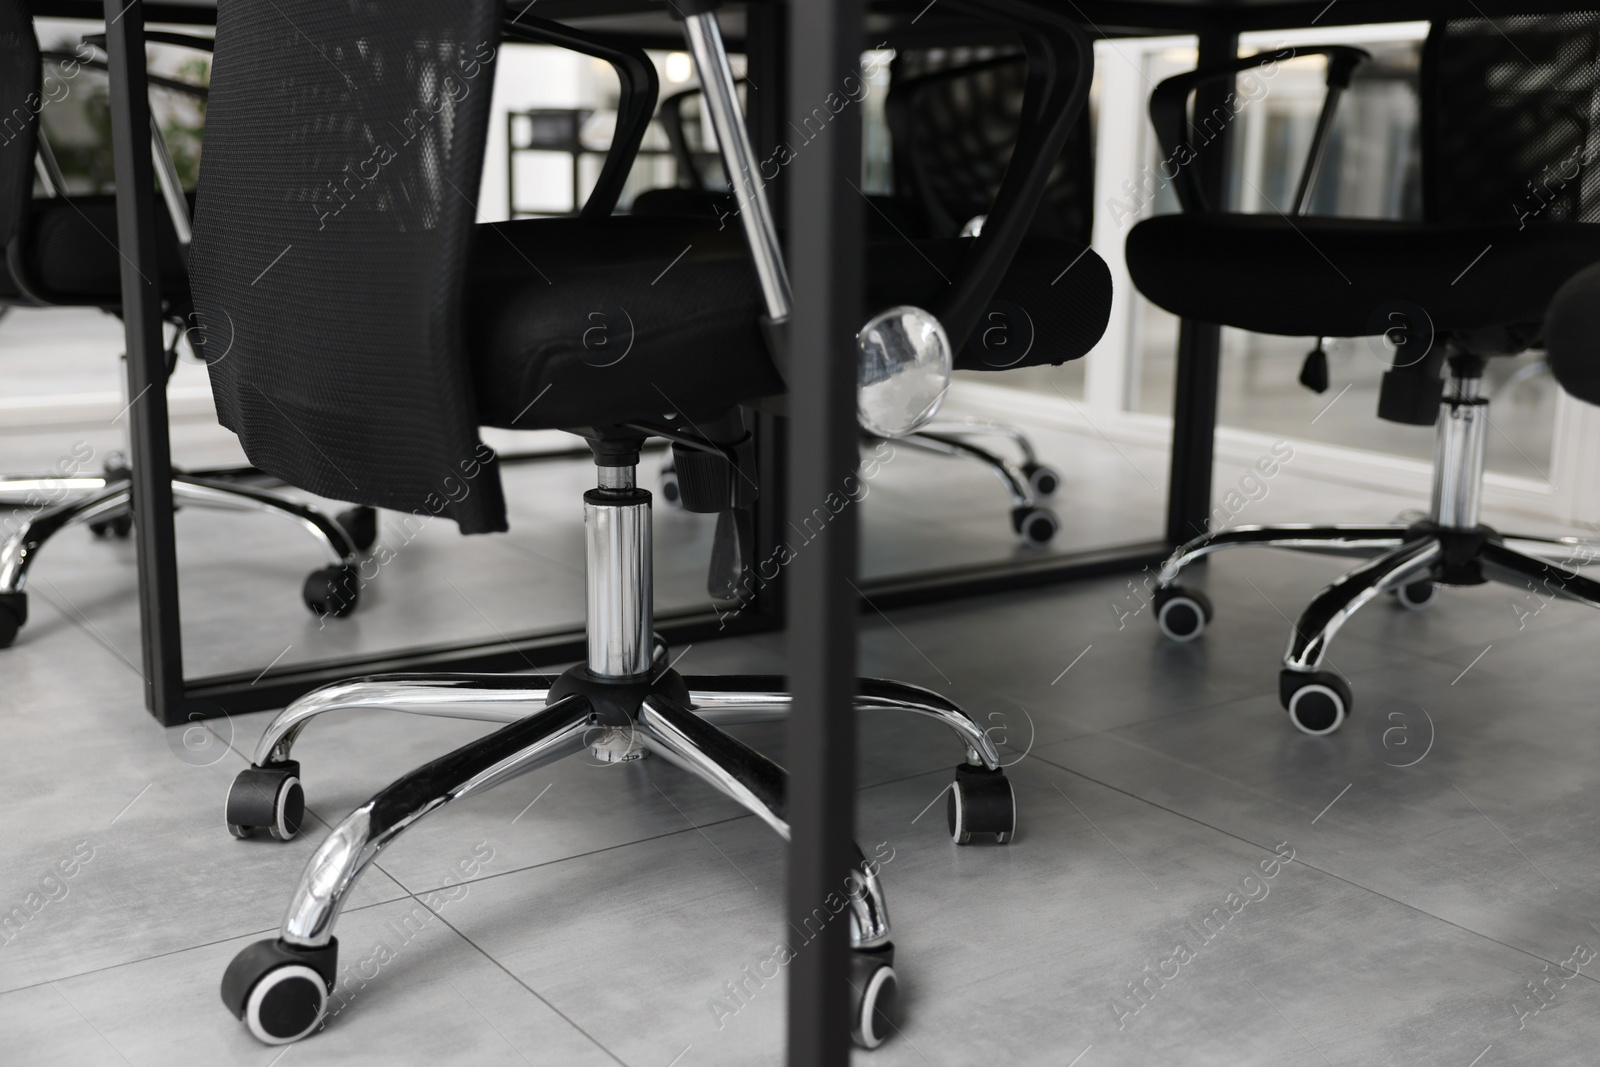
(1152, 779)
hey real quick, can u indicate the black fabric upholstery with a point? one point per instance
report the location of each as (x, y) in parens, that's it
(1510, 210)
(1572, 335)
(953, 114)
(1332, 277)
(344, 144)
(69, 249)
(609, 328)
(19, 114)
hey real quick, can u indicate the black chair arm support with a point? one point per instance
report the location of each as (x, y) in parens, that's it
(1169, 109)
(1060, 68)
(154, 79)
(636, 76)
(182, 40)
(671, 117)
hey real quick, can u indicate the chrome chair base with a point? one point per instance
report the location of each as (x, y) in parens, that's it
(1409, 561)
(104, 504)
(624, 702)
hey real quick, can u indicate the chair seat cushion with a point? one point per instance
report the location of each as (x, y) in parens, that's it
(1336, 277)
(658, 315)
(71, 252)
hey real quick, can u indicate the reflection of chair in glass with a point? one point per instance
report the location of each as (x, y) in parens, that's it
(61, 252)
(1509, 110)
(953, 116)
(364, 368)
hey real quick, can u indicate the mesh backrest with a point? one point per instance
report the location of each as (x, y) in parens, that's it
(954, 114)
(344, 144)
(1511, 119)
(19, 114)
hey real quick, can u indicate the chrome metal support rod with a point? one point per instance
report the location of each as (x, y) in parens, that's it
(1459, 455)
(501, 698)
(332, 871)
(617, 578)
(1341, 540)
(739, 160)
(171, 186)
(755, 782)
(1319, 151)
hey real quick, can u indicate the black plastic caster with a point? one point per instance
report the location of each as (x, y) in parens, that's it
(13, 613)
(332, 591)
(1182, 613)
(361, 525)
(1036, 526)
(1318, 702)
(670, 492)
(875, 999)
(1043, 480)
(280, 992)
(1418, 596)
(981, 802)
(267, 798)
(119, 527)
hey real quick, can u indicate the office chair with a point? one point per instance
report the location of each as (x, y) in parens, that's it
(953, 115)
(61, 252)
(1508, 110)
(439, 326)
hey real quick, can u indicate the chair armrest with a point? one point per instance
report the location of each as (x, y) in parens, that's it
(154, 79)
(671, 118)
(637, 77)
(1060, 68)
(183, 40)
(1169, 113)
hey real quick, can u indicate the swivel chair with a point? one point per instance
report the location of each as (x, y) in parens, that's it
(439, 326)
(953, 116)
(61, 252)
(1508, 115)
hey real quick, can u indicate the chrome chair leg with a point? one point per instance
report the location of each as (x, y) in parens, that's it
(1571, 551)
(1318, 701)
(24, 489)
(1353, 540)
(269, 795)
(746, 776)
(194, 491)
(734, 699)
(280, 986)
(1035, 524)
(1506, 564)
(27, 537)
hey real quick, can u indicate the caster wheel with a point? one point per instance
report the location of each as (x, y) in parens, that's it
(361, 524)
(876, 1001)
(1036, 526)
(13, 613)
(119, 527)
(280, 993)
(332, 591)
(669, 488)
(981, 802)
(267, 798)
(1182, 613)
(1043, 480)
(1418, 596)
(1317, 702)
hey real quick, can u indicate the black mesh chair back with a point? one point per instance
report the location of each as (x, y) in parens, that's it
(336, 200)
(1509, 114)
(19, 119)
(953, 115)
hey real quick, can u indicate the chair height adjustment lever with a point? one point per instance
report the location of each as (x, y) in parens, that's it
(1314, 371)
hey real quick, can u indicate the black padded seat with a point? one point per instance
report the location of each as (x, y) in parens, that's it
(546, 344)
(70, 252)
(1333, 277)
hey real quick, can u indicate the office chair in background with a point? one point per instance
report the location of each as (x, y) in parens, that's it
(1509, 109)
(953, 115)
(61, 251)
(440, 326)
